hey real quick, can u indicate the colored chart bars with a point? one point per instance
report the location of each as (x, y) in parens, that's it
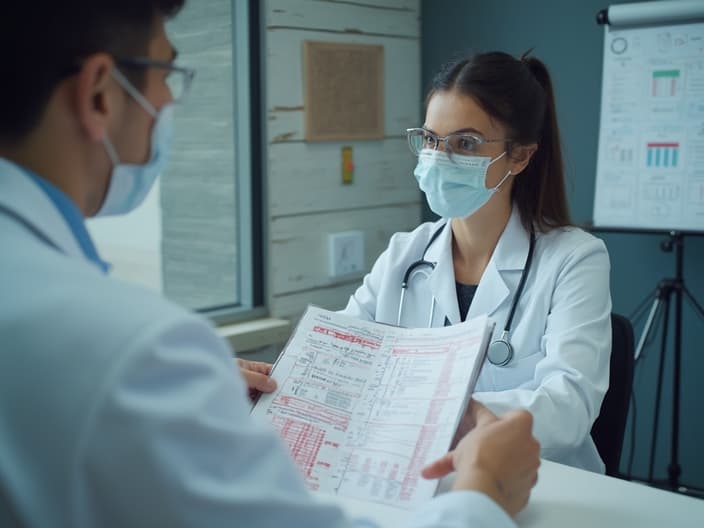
(665, 83)
(662, 155)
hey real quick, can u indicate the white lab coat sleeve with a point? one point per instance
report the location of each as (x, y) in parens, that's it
(569, 383)
(363, 302)
(170, 442)
(467, 509)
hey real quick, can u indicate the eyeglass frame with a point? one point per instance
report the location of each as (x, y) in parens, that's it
(479, 140)
(144, 62)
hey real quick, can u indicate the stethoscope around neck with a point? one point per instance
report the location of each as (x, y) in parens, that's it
(500, 351)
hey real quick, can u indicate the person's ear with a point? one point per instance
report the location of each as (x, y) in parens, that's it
(94, 95)
(520, 156)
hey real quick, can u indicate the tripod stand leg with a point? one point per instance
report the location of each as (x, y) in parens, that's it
(648, 326)
(658, 394)
(697, 307)
(674, 470)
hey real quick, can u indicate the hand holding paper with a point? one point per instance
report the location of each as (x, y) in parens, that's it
(257, 376)
(499, 457)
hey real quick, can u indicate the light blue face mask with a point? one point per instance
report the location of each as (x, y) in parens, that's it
(130, 183)
(455, 188)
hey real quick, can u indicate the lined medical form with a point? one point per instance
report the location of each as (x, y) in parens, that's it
(364, 406)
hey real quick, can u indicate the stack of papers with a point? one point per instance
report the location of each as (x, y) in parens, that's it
(363, 406)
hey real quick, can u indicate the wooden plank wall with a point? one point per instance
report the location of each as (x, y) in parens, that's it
(305, 196)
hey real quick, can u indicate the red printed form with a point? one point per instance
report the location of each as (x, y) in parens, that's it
(364, 406)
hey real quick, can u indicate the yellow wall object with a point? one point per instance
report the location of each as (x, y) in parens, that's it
(347, 166)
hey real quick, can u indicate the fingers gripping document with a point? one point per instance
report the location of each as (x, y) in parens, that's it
(364, 406)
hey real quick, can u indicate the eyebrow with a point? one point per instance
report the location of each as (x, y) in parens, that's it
(460, 131)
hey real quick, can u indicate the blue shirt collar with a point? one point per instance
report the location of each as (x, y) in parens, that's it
(73, 218)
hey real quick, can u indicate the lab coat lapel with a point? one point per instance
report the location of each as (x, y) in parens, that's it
(509, 255)
(22, 198)
(442, 279)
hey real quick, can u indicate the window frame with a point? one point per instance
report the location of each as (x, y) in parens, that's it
(248, 148)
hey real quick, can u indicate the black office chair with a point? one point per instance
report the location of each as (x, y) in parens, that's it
(610, 426)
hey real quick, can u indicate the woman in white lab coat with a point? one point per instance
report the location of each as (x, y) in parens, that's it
(490, 165)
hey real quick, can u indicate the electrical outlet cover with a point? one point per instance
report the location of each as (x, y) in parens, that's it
(345, 253)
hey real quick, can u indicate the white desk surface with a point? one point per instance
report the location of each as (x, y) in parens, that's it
(572, 498)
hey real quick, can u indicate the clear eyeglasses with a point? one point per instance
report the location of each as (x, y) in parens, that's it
(178, 79)
(459, 143)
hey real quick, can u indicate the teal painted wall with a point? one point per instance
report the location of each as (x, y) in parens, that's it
(564, 34)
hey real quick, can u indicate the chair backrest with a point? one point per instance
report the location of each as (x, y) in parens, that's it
(610, 426)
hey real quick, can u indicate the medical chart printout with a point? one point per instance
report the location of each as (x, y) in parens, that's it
(364, 406)
(650, 166)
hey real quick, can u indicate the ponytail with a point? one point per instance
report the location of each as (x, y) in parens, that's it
(540, 191)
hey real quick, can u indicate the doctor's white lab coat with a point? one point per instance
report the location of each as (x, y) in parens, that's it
(561, 332)
(120, 409)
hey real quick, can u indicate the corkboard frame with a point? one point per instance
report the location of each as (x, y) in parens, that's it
(316, 74)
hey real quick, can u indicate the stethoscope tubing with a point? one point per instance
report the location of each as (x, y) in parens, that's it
(503, 350)
(416, 266)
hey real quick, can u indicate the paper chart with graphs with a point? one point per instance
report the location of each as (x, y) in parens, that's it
(650, 167)
(363, 406)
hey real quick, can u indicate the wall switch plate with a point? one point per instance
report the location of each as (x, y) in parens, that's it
(345, 253)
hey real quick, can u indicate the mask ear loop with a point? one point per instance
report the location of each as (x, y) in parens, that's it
(497, 158)
(110, 149)
(137, 96)
(498, 185)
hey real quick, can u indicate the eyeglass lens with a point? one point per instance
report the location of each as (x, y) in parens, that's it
(461, 144)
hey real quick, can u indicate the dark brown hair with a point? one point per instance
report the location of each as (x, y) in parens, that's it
(43, 41)
(518, 94)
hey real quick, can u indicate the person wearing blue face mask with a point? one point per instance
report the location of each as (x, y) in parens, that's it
(490, 166)
(117, 407)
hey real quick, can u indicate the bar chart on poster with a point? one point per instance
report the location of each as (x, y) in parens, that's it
(650, 164)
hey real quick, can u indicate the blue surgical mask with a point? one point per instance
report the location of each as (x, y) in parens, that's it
(455, 188)
(130, 183)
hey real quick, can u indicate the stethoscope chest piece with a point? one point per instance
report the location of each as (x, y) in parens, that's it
(500, 351)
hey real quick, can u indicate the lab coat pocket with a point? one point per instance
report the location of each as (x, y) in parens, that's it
(519, 371)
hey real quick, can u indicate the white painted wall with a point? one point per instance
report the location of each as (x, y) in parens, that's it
(306, 198)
